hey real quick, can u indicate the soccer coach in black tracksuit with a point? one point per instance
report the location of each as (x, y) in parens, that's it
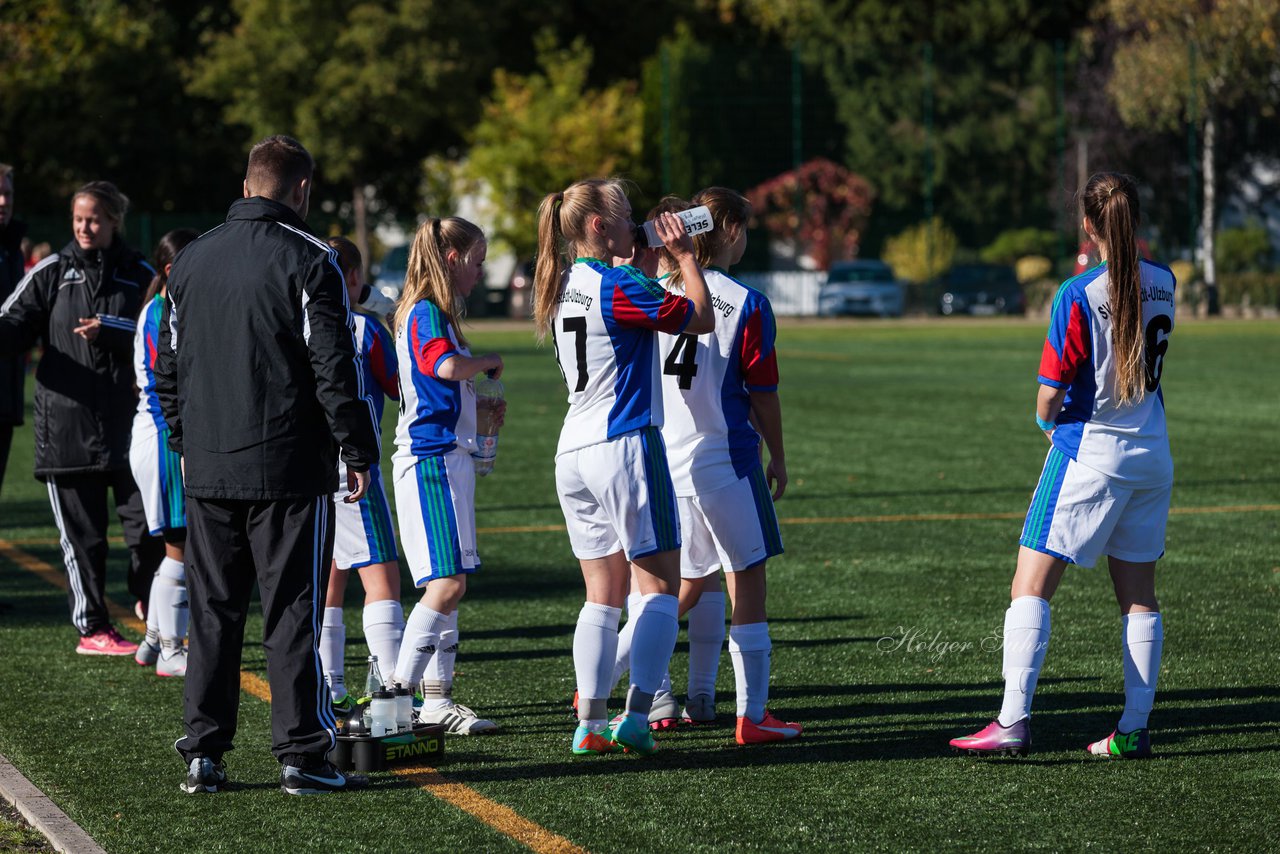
(257, 379)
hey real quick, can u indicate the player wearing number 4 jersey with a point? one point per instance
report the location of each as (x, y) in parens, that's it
(611, 467)
(714, 387)
(1108, 477)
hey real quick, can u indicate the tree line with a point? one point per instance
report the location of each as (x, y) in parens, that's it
(982, 114)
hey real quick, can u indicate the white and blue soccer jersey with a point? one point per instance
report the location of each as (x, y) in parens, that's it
(605, 345)
(145, 341)
(156, 468)
(706, 384)
(1129, 442)
(436, 415)
(363, 532)
(376, 357)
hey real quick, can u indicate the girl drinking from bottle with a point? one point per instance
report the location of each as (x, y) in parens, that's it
(611, 469)
(434, 476)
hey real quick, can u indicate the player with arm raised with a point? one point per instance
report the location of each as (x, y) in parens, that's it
(714, 387)
(611, 466)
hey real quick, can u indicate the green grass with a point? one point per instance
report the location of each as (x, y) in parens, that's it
(881, 419)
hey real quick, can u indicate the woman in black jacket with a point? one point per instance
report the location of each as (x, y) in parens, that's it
(83, 302)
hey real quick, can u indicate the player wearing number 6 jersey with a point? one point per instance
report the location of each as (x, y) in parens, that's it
(1107, 480)
(611, 467)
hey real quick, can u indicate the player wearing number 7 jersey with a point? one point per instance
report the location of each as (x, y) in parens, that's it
(611, 467)
(1107, 480)
(719, 388)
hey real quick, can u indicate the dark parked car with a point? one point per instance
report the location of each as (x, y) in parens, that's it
(981, 289)
(862, 287)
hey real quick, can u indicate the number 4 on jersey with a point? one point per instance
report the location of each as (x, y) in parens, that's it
(681, 363)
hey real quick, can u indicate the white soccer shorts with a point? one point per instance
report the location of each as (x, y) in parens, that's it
(363, 533)
(436, 501)
(733, 528)
(617, 495)
(1078, 515)
(158, 472)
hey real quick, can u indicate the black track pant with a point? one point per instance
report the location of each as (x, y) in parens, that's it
(6, 440)
(286, 546)
(79, 504)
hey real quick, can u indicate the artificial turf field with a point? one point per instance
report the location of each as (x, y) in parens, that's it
(912, 455)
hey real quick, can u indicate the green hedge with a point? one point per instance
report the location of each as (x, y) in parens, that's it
(1255, 289)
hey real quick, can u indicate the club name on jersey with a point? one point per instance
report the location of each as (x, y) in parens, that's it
(723, 306)
(1151, 293)
(574, 295)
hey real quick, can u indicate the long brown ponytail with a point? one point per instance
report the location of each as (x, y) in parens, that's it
(1110, 202)
(427, 274)
(562, 232)
(166, 250)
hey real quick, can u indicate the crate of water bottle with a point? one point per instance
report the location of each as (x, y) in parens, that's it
(422, 743)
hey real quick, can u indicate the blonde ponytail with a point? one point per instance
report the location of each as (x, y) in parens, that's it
(428, 277)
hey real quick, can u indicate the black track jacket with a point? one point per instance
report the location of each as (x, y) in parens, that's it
(85, 397)
(255, 369)
(12, 368)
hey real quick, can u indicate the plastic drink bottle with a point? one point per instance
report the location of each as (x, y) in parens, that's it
(489, 395)
(382, 713)
(404, 708)
(696, 221)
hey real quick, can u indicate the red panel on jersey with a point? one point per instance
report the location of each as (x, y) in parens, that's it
(1061, 367)
(758, 357)
(378, 364)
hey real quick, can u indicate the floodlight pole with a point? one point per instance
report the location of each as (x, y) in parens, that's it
(928, 160)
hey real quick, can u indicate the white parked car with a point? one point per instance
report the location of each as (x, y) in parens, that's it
(864, 287)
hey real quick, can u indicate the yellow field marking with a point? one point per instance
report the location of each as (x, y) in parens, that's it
(789, 520)
(501, 818)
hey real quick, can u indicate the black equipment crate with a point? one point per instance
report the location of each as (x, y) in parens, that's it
(364, 753)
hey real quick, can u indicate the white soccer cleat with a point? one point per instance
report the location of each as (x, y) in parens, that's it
(457, 720)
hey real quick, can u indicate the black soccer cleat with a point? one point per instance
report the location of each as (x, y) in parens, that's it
(320, 780)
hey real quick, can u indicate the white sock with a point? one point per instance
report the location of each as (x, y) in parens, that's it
(595, 648)
(1026, 638)
(622, 661)
(421, 637)
(1143, 637)
(750, 648)
(383, 629)
(651, 646)
(154, 599)
(171, 616)
(333, 646)
(437, 679)
(706, 637)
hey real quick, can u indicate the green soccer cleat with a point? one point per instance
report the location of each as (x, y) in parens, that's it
(634, 738)
(1123, 745)
(589, 743)
(345, 706)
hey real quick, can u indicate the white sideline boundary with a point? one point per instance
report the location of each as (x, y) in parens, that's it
(43, 814)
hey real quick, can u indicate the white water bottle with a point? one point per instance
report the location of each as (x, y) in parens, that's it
(382, 713)
(489, 396)
(696, 221)
(404, 708)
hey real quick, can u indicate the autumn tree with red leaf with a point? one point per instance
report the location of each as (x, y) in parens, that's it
(821, 207)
